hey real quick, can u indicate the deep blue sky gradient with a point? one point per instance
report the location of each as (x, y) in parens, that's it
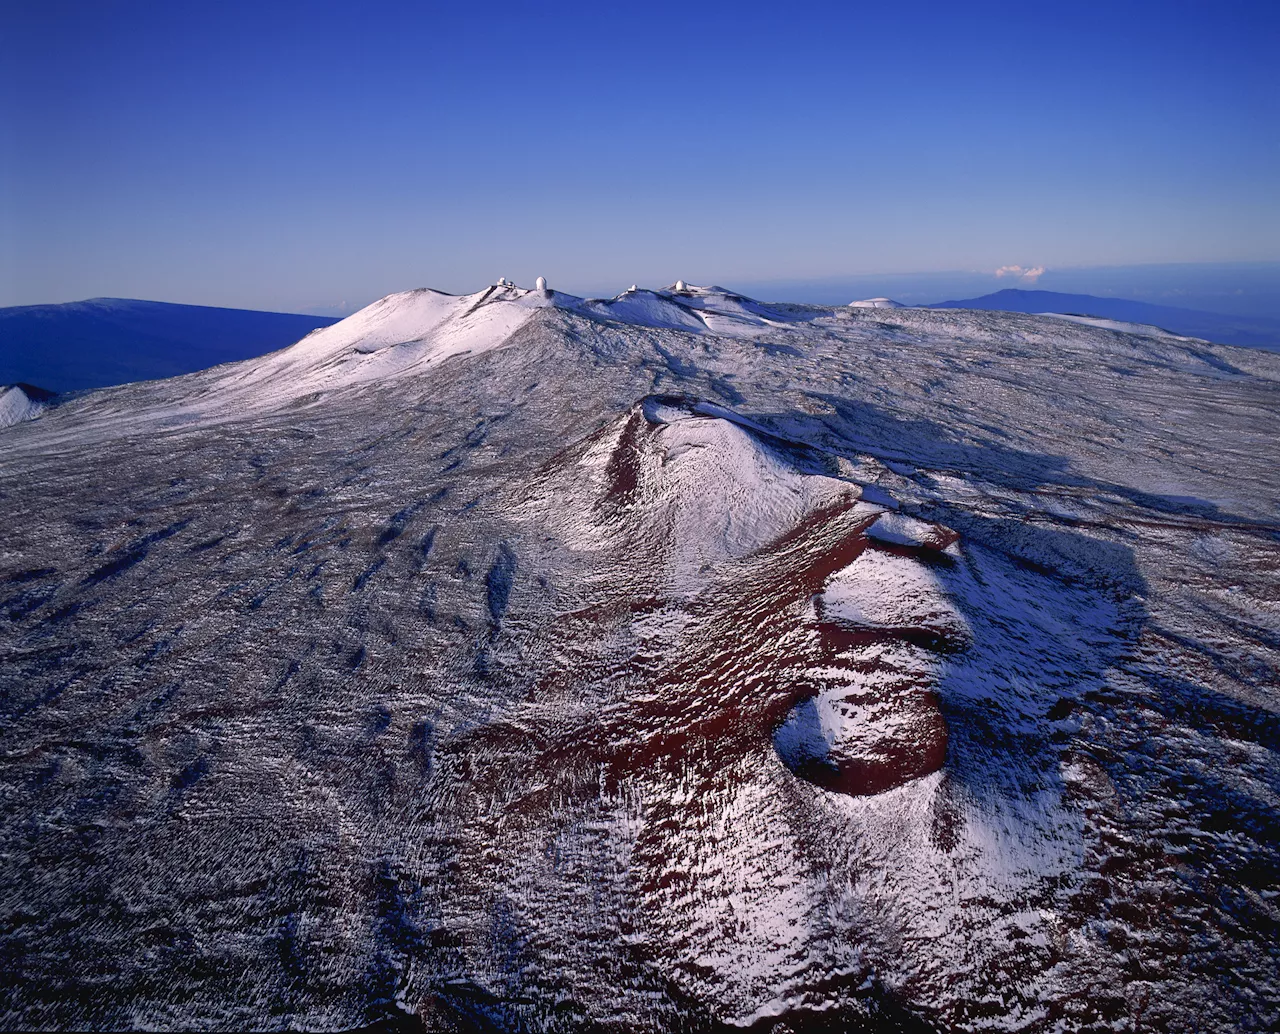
(302, 156)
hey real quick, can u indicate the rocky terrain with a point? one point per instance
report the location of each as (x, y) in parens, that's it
(665, 662)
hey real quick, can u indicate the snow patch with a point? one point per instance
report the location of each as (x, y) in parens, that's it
(898, 529)
(885, 591)
(21, 402)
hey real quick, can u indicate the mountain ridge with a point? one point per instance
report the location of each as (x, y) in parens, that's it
(1249, 331)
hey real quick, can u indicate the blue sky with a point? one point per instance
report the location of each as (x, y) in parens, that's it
(309, 156)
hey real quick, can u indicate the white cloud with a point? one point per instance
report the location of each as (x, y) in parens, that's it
(1031, 274)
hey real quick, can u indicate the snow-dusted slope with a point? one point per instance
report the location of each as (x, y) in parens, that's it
(400, 334)
(19, 402)
(671, 661)
(1120, 325)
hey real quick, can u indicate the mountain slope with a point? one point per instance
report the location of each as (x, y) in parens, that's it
(19, 402)
(672, 661)
(1253, 331)
(105, 341)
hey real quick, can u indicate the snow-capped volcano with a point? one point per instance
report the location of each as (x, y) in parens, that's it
(667, 661)
(403, 334)
(399, 335)
(409, 333)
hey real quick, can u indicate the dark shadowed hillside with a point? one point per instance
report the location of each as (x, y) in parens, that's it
(105, 341)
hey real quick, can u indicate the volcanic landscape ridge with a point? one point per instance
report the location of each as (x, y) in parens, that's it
(674, 660)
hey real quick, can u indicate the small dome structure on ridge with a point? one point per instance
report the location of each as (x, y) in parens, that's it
(876, 303)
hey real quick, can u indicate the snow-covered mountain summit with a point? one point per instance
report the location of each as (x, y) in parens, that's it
(408, 332)
(403, 334)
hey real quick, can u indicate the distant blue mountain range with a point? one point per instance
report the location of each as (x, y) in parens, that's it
(1253, 331)
(105, 341)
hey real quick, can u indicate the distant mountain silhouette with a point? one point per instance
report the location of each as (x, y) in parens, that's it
(1252, 331)
(105, 341)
